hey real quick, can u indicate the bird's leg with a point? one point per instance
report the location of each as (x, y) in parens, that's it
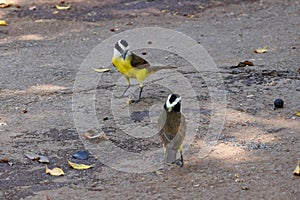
(140, 95)
(181, 158)
(179, 162)
(125, 90)
(128, 82)
(141, 90)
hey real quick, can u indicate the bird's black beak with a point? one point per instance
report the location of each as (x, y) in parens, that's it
(123, 54)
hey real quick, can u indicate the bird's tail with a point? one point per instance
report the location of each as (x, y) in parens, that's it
(170, 154)
(153, 69)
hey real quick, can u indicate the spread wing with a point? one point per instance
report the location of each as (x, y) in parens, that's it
(138, 62)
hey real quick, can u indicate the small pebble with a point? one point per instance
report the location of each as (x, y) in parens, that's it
(278, 103)
(24, 110)
(245, 188)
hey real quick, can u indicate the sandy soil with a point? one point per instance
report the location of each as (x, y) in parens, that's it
(257, 150)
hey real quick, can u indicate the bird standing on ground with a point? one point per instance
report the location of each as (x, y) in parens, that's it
(172, 127)
(131, 65)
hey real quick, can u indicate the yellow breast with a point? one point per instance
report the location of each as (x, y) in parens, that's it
(125, 68)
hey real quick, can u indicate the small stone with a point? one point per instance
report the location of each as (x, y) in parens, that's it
(24, 110)
(245, 188)
(278, 103)
(158, 172)
(32, 8)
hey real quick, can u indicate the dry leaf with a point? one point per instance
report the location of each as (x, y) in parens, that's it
(43, 159)
(24, 110)
(262, 50)
(40, 158)
(81, 155)
(3, 23)
(5, 5)
(32, 8)
(32, 156)
(55, 171)
(243, 64)
(96, 138)
(58, 7)
(158, 172)
(4, 160)
(297, 113)
(245, 188)
(272, 83)
(80, 166)
(101, 70)
(296, 172)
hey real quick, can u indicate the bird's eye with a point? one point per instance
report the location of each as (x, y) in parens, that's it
(172, 98)
(117, 46)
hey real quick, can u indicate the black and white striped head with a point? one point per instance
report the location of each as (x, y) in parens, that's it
(121, 49)
(173, 103)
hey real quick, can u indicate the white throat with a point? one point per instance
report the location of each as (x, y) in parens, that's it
(117, 54)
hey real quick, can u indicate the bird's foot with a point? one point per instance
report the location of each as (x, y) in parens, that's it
(136, 100)
(179, 162)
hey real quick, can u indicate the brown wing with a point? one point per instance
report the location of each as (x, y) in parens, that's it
(138, 62)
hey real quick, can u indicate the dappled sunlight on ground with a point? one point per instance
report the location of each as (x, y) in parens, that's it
(31, 37)
(244, 134)
(230, 154)
(33, 90)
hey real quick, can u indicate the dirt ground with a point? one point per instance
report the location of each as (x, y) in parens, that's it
(258, 149)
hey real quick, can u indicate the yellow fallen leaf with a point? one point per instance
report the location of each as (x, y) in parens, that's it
(3, 23)
(80, 166)
(158, 172)
(102, 70)
(262, 50)
(96, 138)
(55, 171)
(58, 7)
(297, 169)
(5, 5)
(297, 113)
